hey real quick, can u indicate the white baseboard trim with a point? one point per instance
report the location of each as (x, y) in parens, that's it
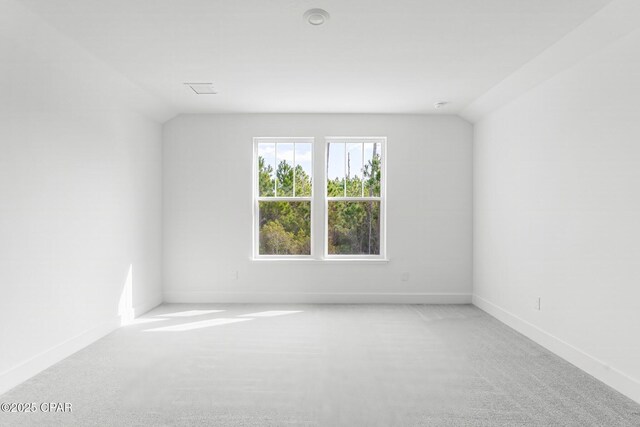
(602, 371)
(316, 298)
(38, 363)
(141, 309)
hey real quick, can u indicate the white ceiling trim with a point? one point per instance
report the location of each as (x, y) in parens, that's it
(617, 19)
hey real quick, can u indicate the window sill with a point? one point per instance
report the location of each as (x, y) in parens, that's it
(323, 260)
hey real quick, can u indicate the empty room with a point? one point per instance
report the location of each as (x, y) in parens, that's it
(319, 213)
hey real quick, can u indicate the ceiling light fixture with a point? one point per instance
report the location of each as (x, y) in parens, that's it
(316, 16)
(202, 88)
(439, 105)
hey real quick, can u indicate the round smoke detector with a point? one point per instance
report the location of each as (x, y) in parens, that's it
(316, 16)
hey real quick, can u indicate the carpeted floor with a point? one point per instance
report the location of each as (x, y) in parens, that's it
(326, 365)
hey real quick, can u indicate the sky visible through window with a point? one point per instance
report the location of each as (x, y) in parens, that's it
(336, 167)
(285, 152)
(303, 156)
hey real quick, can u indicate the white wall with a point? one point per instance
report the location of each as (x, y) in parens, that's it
(208, 212)
(80, 198)
(557, 214)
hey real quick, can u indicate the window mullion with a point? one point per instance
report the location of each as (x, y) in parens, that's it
(355, 199)
(362, 172)
(344, 182)
(275, 172)
(284, 199)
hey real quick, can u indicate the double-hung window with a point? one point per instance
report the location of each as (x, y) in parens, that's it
(353, 218)
(354, 203)
(283, 185)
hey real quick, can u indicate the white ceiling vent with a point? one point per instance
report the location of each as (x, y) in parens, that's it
(202, 88)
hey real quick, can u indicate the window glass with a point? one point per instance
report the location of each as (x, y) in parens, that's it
(354, 228)
(303, 169)
(335, 169)
(284, 171)
(285, 228)
(354, 196)
(267, 169)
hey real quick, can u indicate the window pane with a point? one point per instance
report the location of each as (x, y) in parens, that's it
(335, 169)
(354, 228)
(266, 168)
(284, 171)
(303, 169)
(354, 170)
(372, 155)
(285, 228)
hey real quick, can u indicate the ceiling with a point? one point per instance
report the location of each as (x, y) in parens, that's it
(373, 56)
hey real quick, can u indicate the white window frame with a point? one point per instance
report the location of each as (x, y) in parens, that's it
(382, 199)
(257, 198)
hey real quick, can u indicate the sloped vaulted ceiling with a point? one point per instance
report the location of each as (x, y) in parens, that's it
(397, 56)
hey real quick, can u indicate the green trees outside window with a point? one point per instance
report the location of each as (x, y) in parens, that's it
(353, 197)
(285, 228)
(284, 170)
(354, 228)
(354, 172)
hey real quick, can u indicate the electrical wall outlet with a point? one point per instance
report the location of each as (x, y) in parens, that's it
(234, 275)
(404, 276)
(538, 303)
